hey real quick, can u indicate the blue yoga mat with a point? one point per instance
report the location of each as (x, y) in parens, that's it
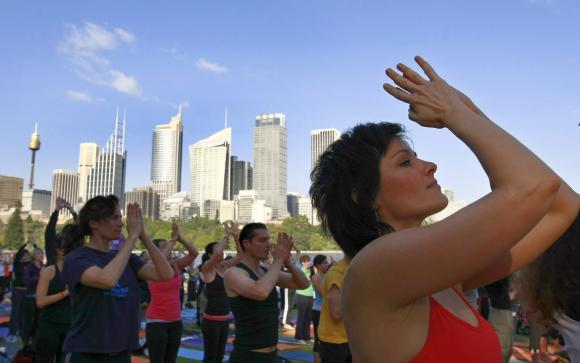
(3, 332)
(296, 355)
(195, 354)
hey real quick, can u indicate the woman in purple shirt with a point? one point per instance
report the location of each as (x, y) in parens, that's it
(30, 280)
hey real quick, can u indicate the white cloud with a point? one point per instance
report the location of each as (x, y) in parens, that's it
(125, 35)
(124, 83)
(206, 65)
(174, 53)
(79, 96)
(87, 48)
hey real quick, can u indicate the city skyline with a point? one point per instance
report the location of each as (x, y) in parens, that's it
(73, 64)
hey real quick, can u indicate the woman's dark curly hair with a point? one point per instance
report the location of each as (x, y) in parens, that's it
(552, 282)
(345, 184)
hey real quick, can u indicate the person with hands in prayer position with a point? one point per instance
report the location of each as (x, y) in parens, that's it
(103, 286)
(251, 290)
(372, 192)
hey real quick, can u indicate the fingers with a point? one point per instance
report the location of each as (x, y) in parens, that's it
(398, 93)
(429, 71)
(401, 81)
(411, 74)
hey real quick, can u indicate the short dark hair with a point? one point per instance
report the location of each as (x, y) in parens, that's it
(345, 183)
(318, 260)
(248, 232)
(97, 209)
(304, 258)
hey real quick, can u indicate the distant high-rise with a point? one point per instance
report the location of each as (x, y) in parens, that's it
(166, 157)
(241, 176)
(147, 199)
(65, 185)
(270, 177)
(108, 174)
(292, 203)
(210, 168)
(10, 191)
(320, 139)
(88, 154)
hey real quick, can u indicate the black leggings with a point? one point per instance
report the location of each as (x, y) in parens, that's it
(29, 314)
(215, 338)
(163, 341)
(304, 307)
(48, 341)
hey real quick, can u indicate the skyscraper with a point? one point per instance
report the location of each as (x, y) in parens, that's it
(88, 154)
(10, 191)
(166, 157)
(147, 199)
(65, 185)
(210, 168)
(108, 174)
(241, 176)
(271, 162)
(320, 139)
(292, 203)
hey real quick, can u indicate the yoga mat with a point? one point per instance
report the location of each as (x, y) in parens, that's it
(197, 342)
(3, 332)
(195, 354)
(297, 355)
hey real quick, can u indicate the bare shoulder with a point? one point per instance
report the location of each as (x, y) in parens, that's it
(47, 272)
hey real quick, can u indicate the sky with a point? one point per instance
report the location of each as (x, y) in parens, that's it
(67, 65)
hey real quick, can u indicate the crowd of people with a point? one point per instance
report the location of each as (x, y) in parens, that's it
(401, 293)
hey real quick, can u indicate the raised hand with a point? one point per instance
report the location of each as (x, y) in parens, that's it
(232, 229)
(281, 250)
(61, 203)
(431, 101)
(175, 232)
(134, 221)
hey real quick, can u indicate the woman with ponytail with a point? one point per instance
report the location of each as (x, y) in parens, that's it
(217, 314)
(52, 295)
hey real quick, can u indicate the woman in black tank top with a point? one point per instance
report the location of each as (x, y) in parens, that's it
(215, 323)
(52, 299)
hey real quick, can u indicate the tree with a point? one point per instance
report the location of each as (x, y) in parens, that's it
(14, 231)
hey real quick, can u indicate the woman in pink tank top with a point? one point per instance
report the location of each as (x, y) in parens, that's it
(164, 325)
(402, 296)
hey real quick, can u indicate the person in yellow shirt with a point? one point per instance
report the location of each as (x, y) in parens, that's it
(334, 346)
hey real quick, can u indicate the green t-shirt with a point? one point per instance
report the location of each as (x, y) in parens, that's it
(309, 291)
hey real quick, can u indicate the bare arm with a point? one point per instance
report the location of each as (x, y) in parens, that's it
(237, 281)
(295, 279)
(449, 252)
(42, 297)
(234, 231)
(191, 250)
(160, 270)
(107, 277)
(317, 284)
(333, 297)
(208, 268)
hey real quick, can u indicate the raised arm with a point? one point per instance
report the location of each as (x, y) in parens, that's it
(160, 269)
(237, 281)
(234, 231)
(192, 253)
(294, 278)
(106, 277)
(449, 252)
(208, 268)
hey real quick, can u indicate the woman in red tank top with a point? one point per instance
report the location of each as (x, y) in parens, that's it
(164, 325)
(402, 296)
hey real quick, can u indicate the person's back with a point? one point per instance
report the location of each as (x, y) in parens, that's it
(331, 332)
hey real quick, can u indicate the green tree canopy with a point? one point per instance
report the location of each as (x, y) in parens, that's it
(14, 231)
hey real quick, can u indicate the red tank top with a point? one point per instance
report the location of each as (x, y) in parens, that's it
(165, 304)
(453, 340)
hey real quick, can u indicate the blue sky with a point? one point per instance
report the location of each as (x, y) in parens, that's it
(68, 64)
